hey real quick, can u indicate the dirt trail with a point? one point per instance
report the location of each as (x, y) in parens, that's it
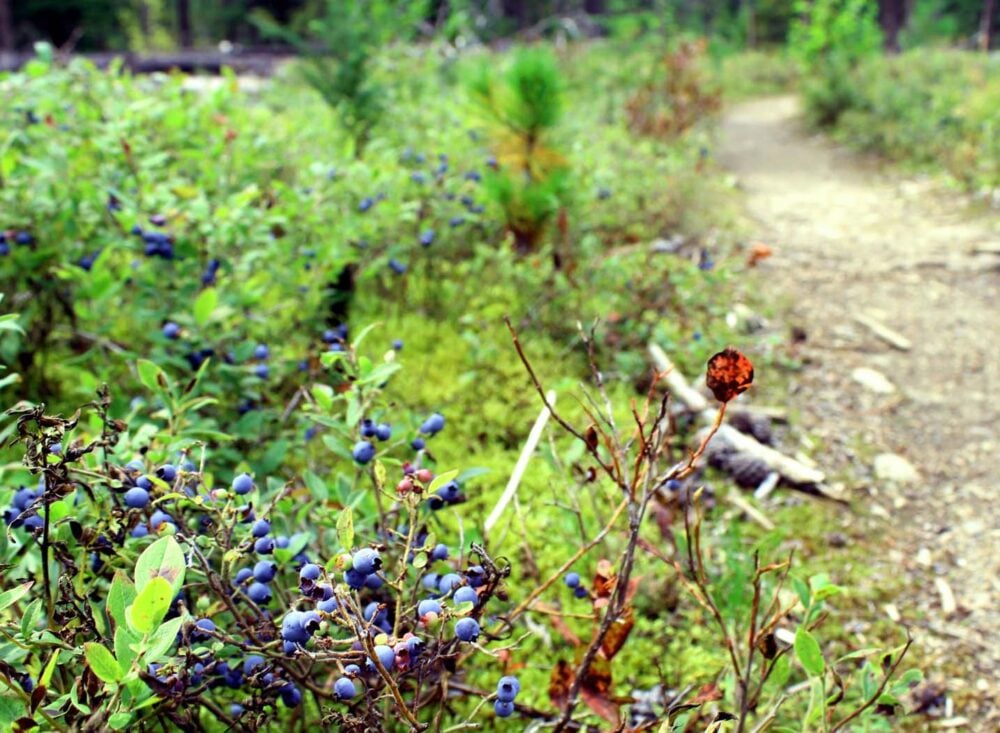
(850, 239)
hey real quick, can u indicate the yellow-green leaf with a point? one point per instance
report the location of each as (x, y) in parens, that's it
(102, 662)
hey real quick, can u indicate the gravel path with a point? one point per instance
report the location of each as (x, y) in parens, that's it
(851, 239)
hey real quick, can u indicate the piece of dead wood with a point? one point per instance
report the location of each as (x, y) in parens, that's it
(792, 471)
(948, 603)
(891, 337)
(749, 509)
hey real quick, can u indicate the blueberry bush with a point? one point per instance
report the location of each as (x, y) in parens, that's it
(262, 398)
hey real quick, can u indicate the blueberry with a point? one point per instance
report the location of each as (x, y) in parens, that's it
(507, 688)
(503, 709)
(354, 579)
(24, 238)
(572, 580)
(259, 593)
(167, 472)
(261, 352)
(135, 465)
(430, 581)
(433, 425)
(366, 561)
(290, 695)
(140, 530)
(281, 542)
(449, 582)
(383, 431)
(428, 606)
(328, 606)
(171, 330)
(456, 221)
(373, 582)
(385, 655)
(136, 498)
(242, 576)
(397, 345)
(264, 571)
(143, 482)
(475, 576)
(158, 519)
(673, 485)
(264, 546)
(236, 710)
(465, 594)
(55, 448)
(580, 592)
(366, 203)
(417, 444)
(467, 629)
(205, 625)
(450, 492)
(440, 552)
(344, 688)
(363, 451)
(427, 237)
(242, 483)
(396, 266)
(262, 371)
(260, 528)
(310, 571)
(353, 670)
(293, 628)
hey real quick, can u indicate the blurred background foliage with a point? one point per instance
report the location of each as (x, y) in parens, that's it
(144, 25)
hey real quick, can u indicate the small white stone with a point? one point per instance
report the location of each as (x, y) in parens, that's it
(892, 467)
(873, 380)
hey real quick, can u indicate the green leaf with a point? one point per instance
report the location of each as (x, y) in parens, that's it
(102, 662)
(46, 677)
(323, 394)
(120, 596)
(162, 639)
(30, 618)
(10, 710)
(204, 305)
(120, 721)
(345, 528)
(316, 485)
(440, 480)
(152, 377)
(125, 640)
(808, 652)
(162, 559)
(12, 596)
(150, 606)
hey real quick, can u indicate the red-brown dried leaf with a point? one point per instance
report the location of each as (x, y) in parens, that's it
(559, 683)
(604, 579)
(758, 252)
(595, 689)
(729, 374)
(606, 708)
(618, 633)
(708, 693)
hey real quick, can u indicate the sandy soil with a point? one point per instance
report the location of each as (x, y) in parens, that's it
(850, 238)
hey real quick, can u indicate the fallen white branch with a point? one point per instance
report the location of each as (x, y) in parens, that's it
(791, 470)
(891, 337)
(522, 463)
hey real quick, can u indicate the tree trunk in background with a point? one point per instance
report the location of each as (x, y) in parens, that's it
(184, 36)
(986, 24)
(516, 10)
(6, 27)
(891, 16)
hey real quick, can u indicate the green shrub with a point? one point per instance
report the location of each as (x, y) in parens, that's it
(530, 180)
(830, 40)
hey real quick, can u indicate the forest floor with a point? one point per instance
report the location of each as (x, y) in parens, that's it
(852, 238)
